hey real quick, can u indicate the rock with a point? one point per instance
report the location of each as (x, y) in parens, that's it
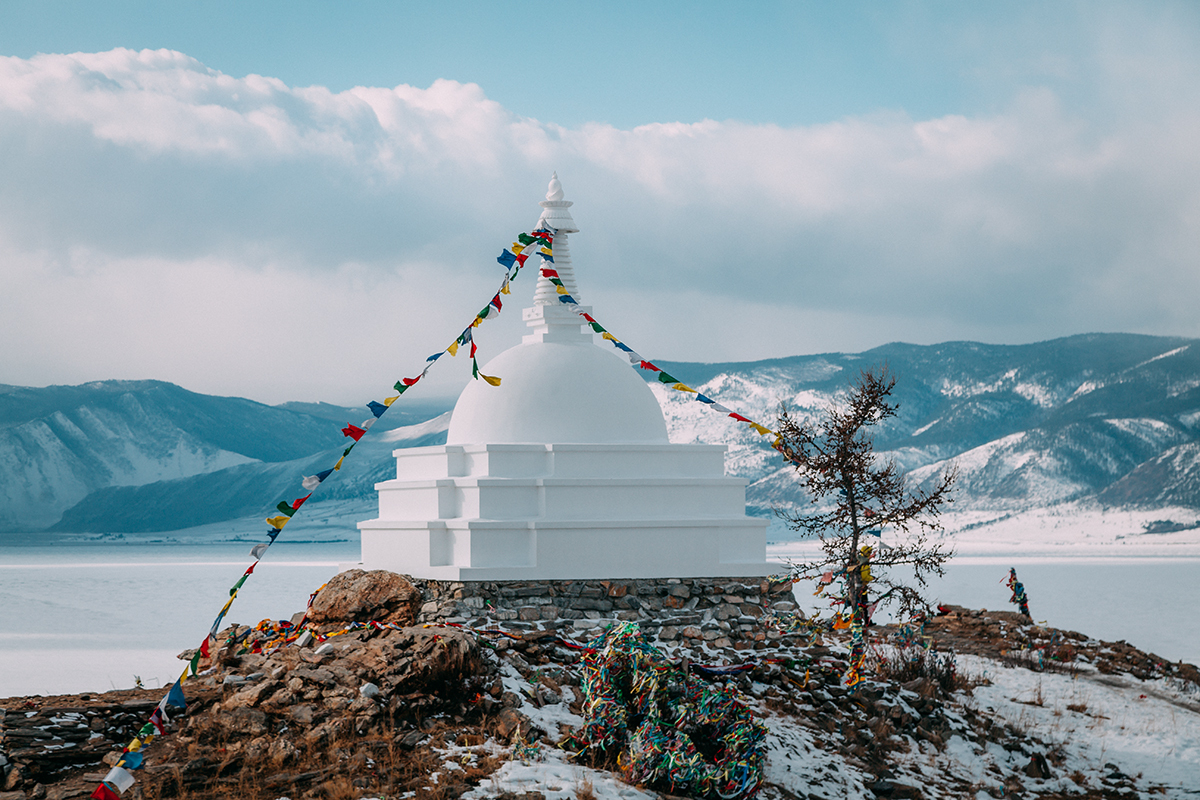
(410, 740)
(304, 713)
(509, 721)
(369, 690)
(245, 721)
(253, 695)
(16, 776)
(1037, 767)
(360, 596)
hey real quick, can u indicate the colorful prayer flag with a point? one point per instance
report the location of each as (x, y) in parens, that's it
(102, 792)
(506, 259)
(353, 431)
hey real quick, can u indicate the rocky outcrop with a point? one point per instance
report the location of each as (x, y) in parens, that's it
(360, 596)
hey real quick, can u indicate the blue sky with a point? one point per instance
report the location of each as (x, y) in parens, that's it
(624, 63)
(203, 191)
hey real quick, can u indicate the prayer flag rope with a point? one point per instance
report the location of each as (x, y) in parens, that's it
(120, 778)
(647, 366)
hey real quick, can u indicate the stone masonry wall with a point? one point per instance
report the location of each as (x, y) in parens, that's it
(722, 613)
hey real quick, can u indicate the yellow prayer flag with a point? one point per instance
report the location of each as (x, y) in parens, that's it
(561, 289)
(760, 429)
(547, 251)
(609, 336)
(338, 465)
(478, 320)
(683, 387)
(517, 248)
(387, 401)
(452, 349)
(493, 380)
(504, 289)
(134, 745)
(278, 522)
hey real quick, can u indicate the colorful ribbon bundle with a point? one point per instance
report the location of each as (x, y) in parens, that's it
(1018, 592)
(668, 730)
(120, 778)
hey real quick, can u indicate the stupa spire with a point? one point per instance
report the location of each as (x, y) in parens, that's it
(550, 318)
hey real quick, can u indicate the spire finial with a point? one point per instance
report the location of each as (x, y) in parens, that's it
(554, 191)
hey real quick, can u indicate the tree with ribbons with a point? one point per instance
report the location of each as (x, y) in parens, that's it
(855, 495)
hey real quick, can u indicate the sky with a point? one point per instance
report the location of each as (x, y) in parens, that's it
(301, 201)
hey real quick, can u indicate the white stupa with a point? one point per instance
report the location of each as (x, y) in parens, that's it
(562, 472)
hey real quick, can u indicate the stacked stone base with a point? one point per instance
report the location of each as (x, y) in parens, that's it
(720, 613)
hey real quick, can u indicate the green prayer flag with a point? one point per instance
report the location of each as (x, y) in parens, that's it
(285, 508)
(474, 369)
(665, 378)
(525, 238)
(195, 663)
(146, 730)
(596, 327)
(400, 387)
(346, 452)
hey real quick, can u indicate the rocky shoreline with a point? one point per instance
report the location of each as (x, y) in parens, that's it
(402, 709)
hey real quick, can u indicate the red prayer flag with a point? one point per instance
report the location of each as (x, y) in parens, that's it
(204, 648)
(739, 417)
(250, 568)
(353, 431)
(649, 366)
(410, 381)
(104, 793)
(300, 502)
(473, 348)
(496, 302)
(549, 273)
(521, 259)
(588, 317)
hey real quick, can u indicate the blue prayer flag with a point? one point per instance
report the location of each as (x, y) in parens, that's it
(377, 408)
(506, 259)
(175, 696)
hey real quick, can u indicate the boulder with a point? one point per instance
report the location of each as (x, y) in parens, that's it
(360, 596)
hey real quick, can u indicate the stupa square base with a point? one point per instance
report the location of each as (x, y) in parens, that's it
(498, 550)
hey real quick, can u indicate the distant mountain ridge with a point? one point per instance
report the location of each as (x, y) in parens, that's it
(1114, 417)
(1026, 425)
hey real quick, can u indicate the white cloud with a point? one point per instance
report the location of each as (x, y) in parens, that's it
(161, 219)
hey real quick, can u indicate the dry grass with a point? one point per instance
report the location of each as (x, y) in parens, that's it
(937, 671)
(584, 789)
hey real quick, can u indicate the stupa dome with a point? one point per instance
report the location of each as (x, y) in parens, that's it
(558, 392)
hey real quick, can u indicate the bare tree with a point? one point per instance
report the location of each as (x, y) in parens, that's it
(835, 458)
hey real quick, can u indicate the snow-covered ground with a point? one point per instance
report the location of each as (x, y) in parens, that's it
(1094, 730)
(1148, 729)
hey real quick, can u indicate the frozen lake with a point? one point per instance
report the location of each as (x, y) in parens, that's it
(90, 617)
(80, 617)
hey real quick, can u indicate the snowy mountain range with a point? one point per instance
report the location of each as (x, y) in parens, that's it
(1112, 418)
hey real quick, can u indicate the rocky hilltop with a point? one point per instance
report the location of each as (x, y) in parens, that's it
(398, 688)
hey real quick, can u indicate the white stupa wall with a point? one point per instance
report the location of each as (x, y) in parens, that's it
(562, 472)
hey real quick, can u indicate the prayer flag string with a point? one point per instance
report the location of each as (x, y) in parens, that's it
(638, 362)
(120, 778)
